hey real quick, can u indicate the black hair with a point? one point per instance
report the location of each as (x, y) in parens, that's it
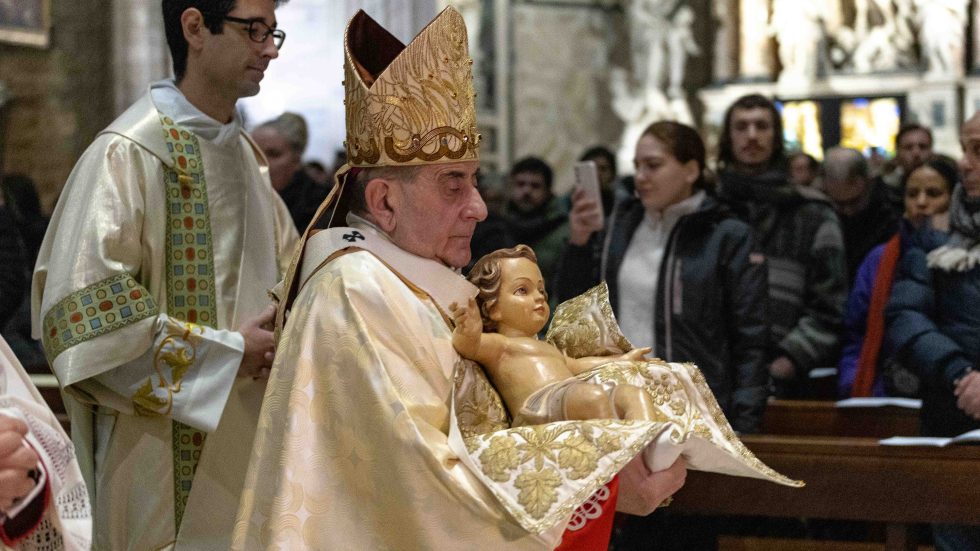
(945, 166)
(726, 154)
(600, 151)
(811, 161)
(912, 127)
(534, 165)
(214, 12)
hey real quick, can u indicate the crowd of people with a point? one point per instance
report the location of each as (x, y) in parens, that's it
(194, 401)
(782, 262)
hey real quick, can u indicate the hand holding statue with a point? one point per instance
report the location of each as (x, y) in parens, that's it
(17, 460)
(641, 492)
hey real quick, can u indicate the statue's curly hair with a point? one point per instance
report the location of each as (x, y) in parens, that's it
(486, 276)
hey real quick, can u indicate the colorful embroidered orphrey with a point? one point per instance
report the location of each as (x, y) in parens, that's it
(98, 309)
(190, 278)
(152, 298)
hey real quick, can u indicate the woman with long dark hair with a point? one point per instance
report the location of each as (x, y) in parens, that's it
(682, 272)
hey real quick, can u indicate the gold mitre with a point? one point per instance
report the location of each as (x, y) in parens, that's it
(409, 105)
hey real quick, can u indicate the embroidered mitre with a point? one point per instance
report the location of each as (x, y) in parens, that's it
(409, 105)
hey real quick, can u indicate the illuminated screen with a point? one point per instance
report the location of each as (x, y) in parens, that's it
(870, 124)
(801, 127)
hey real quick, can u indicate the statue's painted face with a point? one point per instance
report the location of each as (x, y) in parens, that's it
(522, 303)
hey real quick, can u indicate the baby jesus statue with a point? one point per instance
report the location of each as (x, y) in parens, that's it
(536, 380)
(583, 403)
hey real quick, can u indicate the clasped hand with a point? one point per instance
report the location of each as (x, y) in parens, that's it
(967, 394)
(260, 344)
(17, 460)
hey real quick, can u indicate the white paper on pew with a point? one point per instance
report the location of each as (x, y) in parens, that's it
(972, 437)
(909, 403)
(823, 372)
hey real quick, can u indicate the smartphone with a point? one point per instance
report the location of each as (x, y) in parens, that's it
(587, 179)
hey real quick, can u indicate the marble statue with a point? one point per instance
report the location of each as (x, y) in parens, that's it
(680, 44)
(886, 46)
(799, 30)
(661, 45)
(942, 34)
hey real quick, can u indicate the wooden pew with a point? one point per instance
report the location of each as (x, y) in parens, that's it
(847, 479)
(823, 418)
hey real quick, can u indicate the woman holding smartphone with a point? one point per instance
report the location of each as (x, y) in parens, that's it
(682, 271)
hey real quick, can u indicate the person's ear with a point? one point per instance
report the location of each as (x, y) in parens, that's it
(691, 172)
(382, 199)
(192, 23)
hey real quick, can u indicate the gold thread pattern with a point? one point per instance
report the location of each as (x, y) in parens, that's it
(172, 359)
(420, 109)
(585, 326)
(541, 473)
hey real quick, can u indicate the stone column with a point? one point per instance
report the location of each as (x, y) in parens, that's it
(139, 50)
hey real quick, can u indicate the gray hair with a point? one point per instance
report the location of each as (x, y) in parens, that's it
(842, 163)
(403, 174)
(292, 127)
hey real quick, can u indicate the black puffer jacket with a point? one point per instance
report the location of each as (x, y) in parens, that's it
(718, 290)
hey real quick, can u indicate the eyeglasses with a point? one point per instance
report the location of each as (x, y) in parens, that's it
(258, 31)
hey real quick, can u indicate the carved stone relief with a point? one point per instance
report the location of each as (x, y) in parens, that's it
(560, 105)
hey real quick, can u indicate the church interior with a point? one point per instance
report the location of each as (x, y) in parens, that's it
(554, 78)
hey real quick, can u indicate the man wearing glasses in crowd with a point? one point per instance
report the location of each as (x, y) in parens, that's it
(150, 288)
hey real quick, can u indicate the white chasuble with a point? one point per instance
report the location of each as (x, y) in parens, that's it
(375, 434)
(158, 250)
(352, 449)
(67, 520)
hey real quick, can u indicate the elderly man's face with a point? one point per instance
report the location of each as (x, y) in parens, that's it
(437, 212)
(970, 163)
(283, 160)
(849, 194)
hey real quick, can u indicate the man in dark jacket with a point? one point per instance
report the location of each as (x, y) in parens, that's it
(534, 215)
(933, 322)
(800, 235)
(867, 216)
